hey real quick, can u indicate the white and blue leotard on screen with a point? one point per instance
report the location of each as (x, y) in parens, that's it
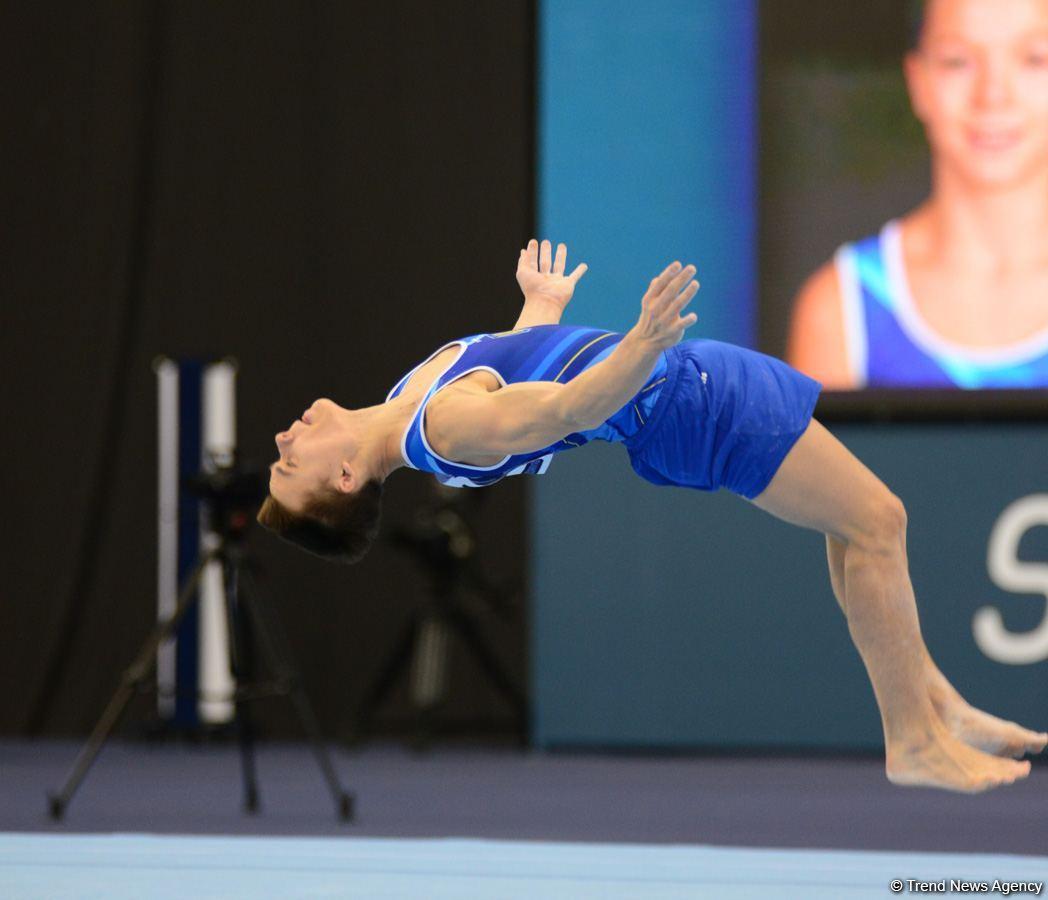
(891, 345)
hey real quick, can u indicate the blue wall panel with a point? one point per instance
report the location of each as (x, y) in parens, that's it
(647, 152)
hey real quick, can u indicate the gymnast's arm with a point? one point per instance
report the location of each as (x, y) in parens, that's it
(547, 290)
(538, 311)
(529, 416)
(516, 419)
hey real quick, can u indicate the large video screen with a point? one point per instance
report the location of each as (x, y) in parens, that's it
(903, 199)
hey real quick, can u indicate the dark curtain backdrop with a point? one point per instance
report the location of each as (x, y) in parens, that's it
(325, 191)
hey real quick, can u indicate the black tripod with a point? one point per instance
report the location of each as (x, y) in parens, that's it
(441, 540)
(248, 615)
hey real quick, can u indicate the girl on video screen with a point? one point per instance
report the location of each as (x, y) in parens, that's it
(955, 293)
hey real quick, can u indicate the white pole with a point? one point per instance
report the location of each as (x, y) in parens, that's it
(217, 450)
(167, 526)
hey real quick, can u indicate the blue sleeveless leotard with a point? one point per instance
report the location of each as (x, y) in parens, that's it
(539, 353)
(890, 345)
(709, 415)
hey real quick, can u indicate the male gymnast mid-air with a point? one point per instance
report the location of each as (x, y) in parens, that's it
(697, 413)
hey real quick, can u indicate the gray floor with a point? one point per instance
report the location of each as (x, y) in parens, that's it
(501, 793)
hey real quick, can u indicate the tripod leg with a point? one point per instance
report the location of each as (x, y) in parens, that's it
(492, 667)
(242, 666)
(132, 679)
(246, 740)
(57, 802)
(267, 625)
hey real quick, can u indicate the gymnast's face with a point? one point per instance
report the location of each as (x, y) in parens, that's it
(979, 83)
(316, 453)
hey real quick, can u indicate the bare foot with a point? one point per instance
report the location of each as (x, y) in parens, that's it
(986, 732)
(980, 729)
(938, 759)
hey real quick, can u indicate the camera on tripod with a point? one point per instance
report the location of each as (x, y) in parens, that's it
(216, 579)
(232, 492)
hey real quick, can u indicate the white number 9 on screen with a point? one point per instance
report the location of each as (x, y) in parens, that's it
(1009, 573)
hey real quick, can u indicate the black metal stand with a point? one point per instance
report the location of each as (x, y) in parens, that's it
(442, 541)
(249, 617)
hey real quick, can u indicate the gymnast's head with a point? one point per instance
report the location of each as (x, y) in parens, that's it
(325, 489)
(978, 80)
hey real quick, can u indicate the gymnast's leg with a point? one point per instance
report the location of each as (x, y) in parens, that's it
(971, 725)
(821, 485)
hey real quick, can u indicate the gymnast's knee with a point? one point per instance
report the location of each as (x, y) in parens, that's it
(882, 526)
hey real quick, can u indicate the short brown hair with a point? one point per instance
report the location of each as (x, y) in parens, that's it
(337, 527)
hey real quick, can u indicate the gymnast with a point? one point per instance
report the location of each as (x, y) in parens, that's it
(699, 414)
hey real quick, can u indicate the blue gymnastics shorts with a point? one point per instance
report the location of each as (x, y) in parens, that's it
(725, 417)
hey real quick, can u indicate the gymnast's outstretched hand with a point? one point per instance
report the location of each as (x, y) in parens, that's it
(541, 276)
(661, 323)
